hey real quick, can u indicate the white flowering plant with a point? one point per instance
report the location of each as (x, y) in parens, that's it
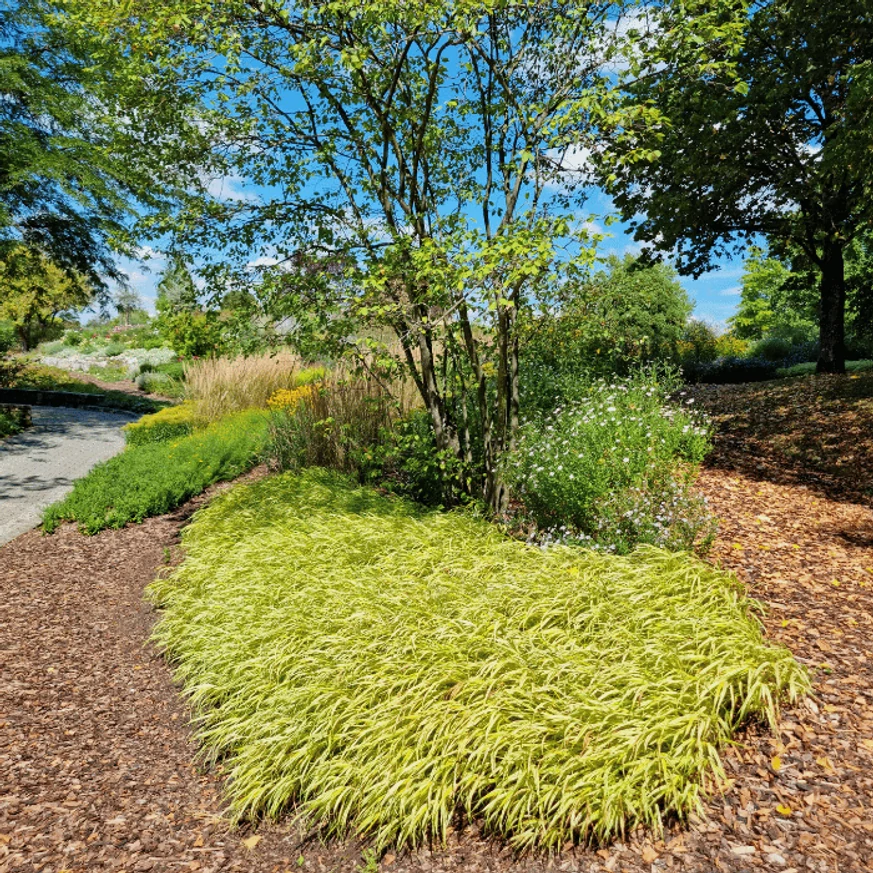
(615, 467)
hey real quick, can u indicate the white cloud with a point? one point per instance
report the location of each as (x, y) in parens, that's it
(263, 261)
(731, 292)
(147, 253)
(570, 166)
(231, 188)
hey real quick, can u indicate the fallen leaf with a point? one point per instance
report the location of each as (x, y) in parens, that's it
(649, 854)
(776, 763)
(782, 809)
(252, 841)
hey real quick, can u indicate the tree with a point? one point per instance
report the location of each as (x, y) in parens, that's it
(36, 292)
(176, 289)
(780, 294)
(78, 173)
(629, 313)
(766, 301)
(190, 329)
(423, 143)
(752, 118)
(126, 301)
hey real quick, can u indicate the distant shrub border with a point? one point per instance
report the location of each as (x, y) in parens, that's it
(388, 671)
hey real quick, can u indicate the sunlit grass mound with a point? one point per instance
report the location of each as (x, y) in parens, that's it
(389, 671)
(152, 477)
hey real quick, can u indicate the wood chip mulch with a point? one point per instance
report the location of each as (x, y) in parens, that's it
(98, 770)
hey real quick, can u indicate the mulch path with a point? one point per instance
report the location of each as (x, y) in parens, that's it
(98, 770)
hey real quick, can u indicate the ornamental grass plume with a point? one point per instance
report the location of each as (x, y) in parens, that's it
(391, 672)
(219, 386)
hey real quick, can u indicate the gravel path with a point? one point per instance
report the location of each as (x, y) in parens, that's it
(38, 467)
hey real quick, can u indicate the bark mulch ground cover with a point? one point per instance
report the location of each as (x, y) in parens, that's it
(98, 770)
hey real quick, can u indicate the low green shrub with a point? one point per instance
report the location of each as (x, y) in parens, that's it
(169, 423)
(388, 670)
(150, 479)
(772, 348)
(614, 468)
(13, 420)
(152, 382)
(113, 349)
(174, 369)
(407, 462)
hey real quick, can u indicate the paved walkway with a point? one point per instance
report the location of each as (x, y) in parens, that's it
(39, 466)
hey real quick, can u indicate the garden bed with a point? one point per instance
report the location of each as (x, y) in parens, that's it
(114, 787)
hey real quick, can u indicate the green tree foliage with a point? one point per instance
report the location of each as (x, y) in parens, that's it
(79, 171)
(627, 314)
(420, 142)
(190, 329)
(753, 117)
(766, 302)
(126, 300)
(35, 292)
(780, 295)
(176, 289)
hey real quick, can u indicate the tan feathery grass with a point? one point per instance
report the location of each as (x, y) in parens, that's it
(389, 671)
(218, 386)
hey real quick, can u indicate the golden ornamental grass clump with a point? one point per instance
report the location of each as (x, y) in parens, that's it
(390, 672)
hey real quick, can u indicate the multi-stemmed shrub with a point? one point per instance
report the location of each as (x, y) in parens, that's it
(614, 468)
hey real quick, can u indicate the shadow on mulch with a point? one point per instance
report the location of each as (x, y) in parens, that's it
(813, 431)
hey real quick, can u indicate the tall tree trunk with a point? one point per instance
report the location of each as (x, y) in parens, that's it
(832, 318)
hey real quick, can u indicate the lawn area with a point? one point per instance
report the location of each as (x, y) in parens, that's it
(389, 669)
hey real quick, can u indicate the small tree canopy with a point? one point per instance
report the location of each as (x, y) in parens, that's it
(36, 291)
